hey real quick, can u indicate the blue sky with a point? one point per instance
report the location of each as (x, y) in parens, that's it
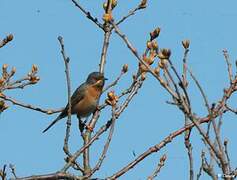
(209, 25)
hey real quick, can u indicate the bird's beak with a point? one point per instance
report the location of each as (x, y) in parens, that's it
(105, 78)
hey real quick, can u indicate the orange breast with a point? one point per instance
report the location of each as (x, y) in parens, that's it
(88, 104)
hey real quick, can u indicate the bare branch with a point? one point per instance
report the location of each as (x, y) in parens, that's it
(29, 106)
(158, 168)
(3, 173)
(227, 154)
(88, 14)
(134, 51)
(103, 128)
(13, 170)
(229, 66)
(115, 81)
(208, 168)
(230, 109)
(104, 50)
(82, 149)
(106, 146)
(130, 13)
(6, 40)
(188, 146)
(186, 46)
(66, 62)
(155, 148)
(53, 176)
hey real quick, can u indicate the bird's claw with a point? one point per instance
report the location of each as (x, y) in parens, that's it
(88, 127)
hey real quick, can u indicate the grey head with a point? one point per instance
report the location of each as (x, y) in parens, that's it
(96, 78)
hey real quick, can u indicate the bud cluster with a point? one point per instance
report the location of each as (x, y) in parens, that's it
(32, 74)
(6, 40)
(112, 98)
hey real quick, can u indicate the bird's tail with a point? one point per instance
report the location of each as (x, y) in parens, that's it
(52, 123)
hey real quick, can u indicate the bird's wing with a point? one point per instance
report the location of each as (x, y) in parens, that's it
(77, 96)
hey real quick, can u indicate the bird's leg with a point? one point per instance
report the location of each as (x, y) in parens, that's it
(81, 124)
(86, 120)
(87, 126)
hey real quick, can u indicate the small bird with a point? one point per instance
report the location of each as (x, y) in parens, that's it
(85, 99)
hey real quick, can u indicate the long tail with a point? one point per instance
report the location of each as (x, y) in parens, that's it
(52, 123)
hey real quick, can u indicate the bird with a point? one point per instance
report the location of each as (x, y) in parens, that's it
(85, 99)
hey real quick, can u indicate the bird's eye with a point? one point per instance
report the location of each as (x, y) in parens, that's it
(96, 78)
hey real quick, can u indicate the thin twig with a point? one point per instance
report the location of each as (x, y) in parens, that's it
(130, 13)
(67, 71)
(20, 86)
(226, 153)
(229, 66)
(200, 169)
(58, 175)
(29, 106)
(208, 168)
(88, 14)
(231, 109)
(173, 135)
(219, 153)
(103, 128)
(104, 50)
(107, 32)
(158, 168)
(187, 104)
(185, 82)
(133, 92)
(13, 170)
(189, 148)
(3, 173)
(155, 148)
(114, 82)
(134, 51)
(6, 40)
(82, 149)
(106, 146)
(166, 71)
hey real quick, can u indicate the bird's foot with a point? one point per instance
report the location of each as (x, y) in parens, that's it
(88, 127)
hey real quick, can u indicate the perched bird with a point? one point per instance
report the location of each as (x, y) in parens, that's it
(85, 98)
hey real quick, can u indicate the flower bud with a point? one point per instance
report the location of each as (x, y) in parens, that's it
(2, 80)
(162, 63)
(154, 45)
(225, 142)
(164, 54)
(154, 34)
(149, 44)
(110, 94)
(9, 37)
(163, 158)
(186, 43)
(157, 71)
(13, 71)
(34, 68)
(125, 68)
(143, 4)
(4, 67)
(143, 76)
(3, 106)
(114, 3)
(105, 6)
(107, 17)
(112, 98)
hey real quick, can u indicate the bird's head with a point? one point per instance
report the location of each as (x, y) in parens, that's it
(96, 79)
